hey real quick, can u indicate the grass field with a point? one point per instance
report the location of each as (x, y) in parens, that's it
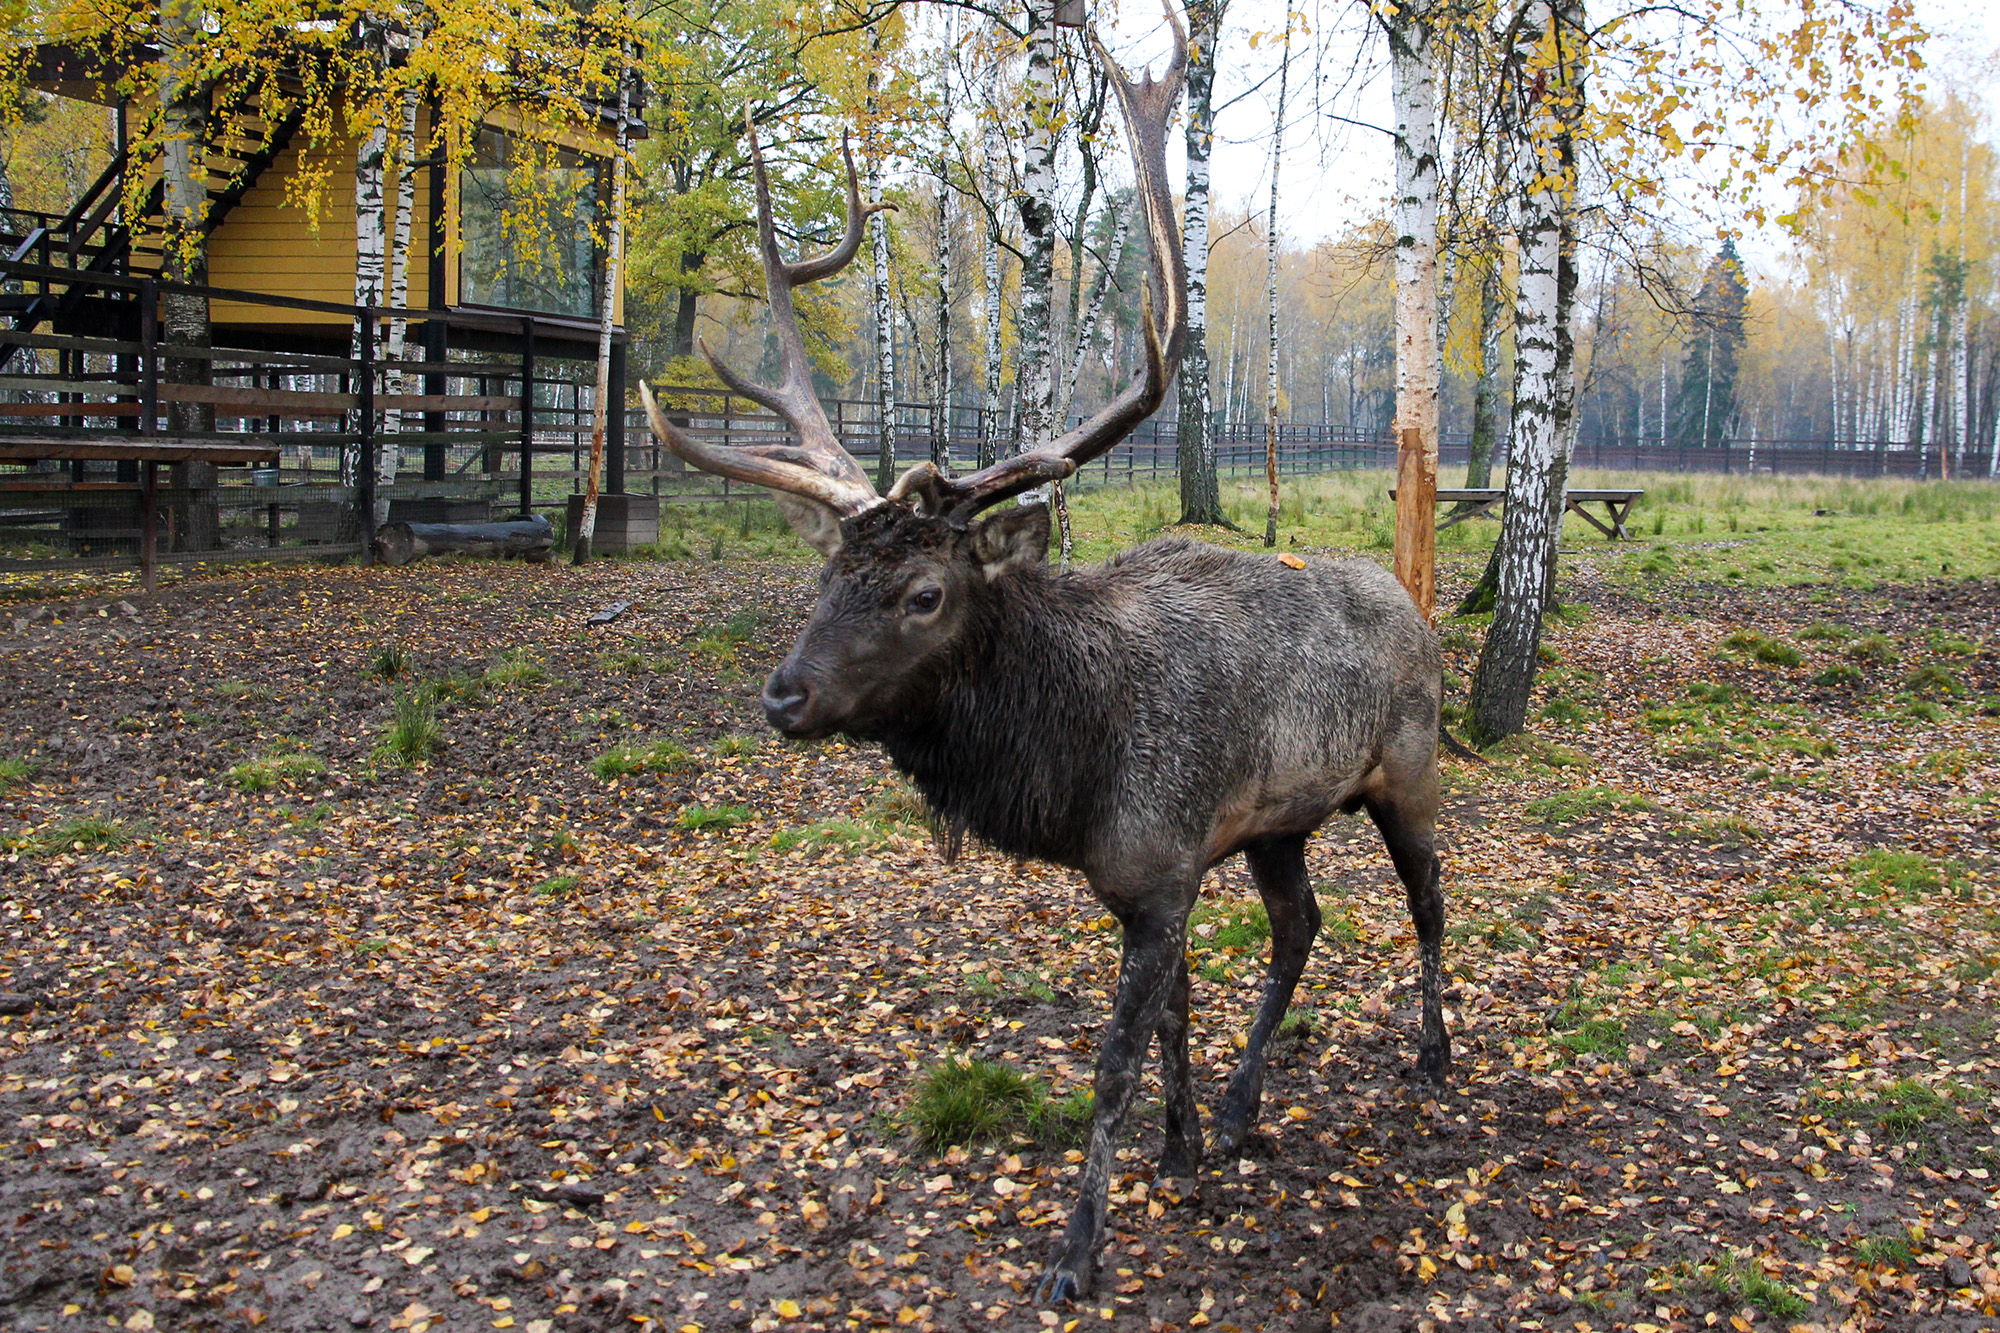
(1748, 531)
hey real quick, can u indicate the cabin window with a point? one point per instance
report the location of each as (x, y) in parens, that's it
(528, 227)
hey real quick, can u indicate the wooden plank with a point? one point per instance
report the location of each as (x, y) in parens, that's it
(265, 359)
(99, 409)
(65, 343)
(157, 448)
(280, 402)
(51, 384)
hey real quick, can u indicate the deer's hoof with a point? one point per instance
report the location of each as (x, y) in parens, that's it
(1060, 1286)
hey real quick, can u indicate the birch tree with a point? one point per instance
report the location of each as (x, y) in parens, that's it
(1201, 495)
(1034, 380)
(1549, 48)
(1413, 89)
(602, 404)
(1271, 294)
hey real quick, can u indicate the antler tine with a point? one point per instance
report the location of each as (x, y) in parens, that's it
(1148, 105)
(818, 468)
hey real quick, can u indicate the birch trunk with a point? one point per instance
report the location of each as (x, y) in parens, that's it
(1034, 382)
(1927, 426)
(370, 248)
(388, 452)
(943, 388)
(1962, 391)
(1271, 298)
(601, 405)
(1486, 390)
(1413, 88)
(1505, 673)
(1086, 328)
(878, 282)
(989, 417)
(1201, 497)
(184, 114)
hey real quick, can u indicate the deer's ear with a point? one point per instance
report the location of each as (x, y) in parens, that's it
(1014, 538)
(817, 525)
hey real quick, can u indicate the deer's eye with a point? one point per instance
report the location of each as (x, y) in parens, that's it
(925, 600)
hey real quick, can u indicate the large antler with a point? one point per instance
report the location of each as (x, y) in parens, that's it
(816, 470)
(1148, 105)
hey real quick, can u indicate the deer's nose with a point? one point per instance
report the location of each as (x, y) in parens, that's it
(786, 699)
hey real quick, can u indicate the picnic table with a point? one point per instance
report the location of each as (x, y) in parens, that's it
(1481, 501)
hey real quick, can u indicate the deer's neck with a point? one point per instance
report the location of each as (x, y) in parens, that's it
(1021, 744)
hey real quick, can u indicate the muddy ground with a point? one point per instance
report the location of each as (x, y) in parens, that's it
(494, 1041)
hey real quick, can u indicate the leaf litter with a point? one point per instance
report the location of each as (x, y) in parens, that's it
(488, 1033)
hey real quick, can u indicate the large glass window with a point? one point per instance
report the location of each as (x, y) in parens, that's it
(528, 227)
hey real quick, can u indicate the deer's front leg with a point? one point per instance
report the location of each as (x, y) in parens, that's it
(1154, 949)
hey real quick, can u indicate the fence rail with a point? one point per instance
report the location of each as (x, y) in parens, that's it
(450, 431)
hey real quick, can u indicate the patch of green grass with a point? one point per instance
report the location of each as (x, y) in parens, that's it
(15, 771)
(1841, 675)
(896, 802)
(554, 886)
(1822, 632)
(1603, 1038)
(1776, 652)
(1236, 926)
(1888, 1249)
(413, 734)
(1734, 1279)
(1876, 649)
(459, 687)
(1909, 1111)
(970, 1101)
(696, 818)
(1910, 874)
(722, 643)
(659, 757)
(515, 668)
(86, 833)
(390, 662)
(1592, 802)
(267, 771)
(1933, 678)
(623, 661)
(735, 747)
(1062, 1122)
(1726, 830)
(845, 833)
(1535, 752)
(243, 691)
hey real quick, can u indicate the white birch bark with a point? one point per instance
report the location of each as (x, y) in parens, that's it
(1086, 329)
(371, 249)
(878, 287)
(388, 450)
(1271, 299)
(1200, 494)
(989, 418)
(1034, 380)
(942, 387)
(601, 405)
(1927, 427)
(1529, 526)
(1414, 210)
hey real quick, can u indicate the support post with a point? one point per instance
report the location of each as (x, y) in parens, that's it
(149, 526)
(527, 416)
(434, 353)
(1416, 521)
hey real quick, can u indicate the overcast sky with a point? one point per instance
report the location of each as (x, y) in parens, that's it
(1337, 157)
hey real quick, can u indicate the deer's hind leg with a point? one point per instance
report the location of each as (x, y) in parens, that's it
(1278, 866)
(1182, 1153)
(1406, 814)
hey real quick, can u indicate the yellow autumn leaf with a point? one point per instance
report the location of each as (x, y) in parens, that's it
(786, 1309)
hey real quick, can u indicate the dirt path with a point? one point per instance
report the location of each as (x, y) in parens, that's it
(498, 1042)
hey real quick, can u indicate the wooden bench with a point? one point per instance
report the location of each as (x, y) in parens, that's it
(149, 451)
(1481, 501)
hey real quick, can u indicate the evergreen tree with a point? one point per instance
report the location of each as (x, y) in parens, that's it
(1706, 406)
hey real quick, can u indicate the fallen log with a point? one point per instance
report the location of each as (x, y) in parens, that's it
(531, 538)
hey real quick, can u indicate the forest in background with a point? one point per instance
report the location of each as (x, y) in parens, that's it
(1872, 323)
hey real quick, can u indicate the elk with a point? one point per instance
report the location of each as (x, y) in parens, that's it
(1139, 721)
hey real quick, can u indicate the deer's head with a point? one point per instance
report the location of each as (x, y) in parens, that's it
(906, 571)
